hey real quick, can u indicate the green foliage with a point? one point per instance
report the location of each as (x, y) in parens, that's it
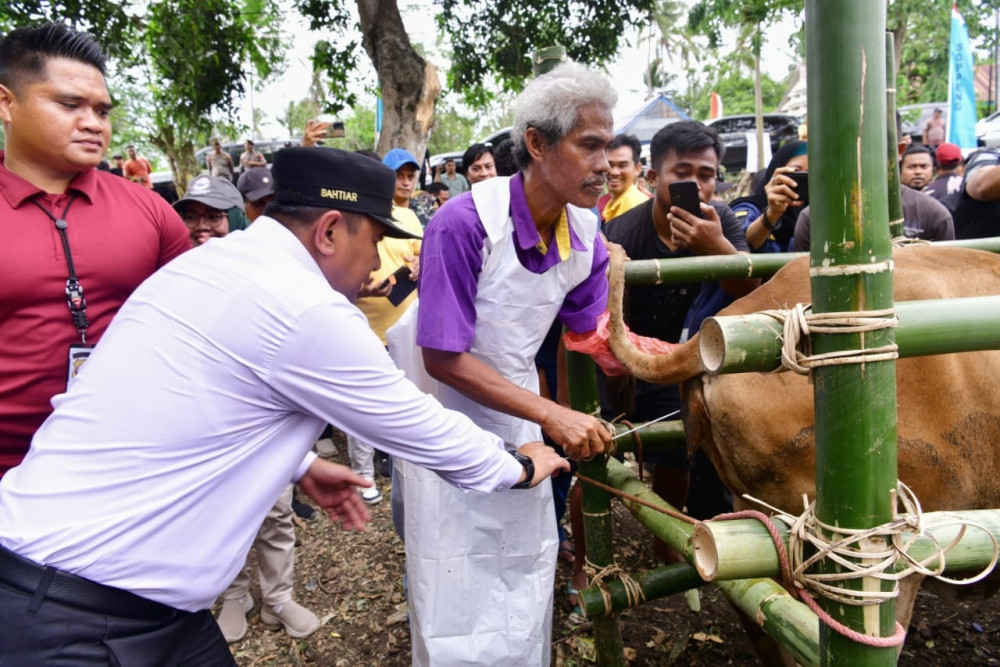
(359, 129)
(495, 38)
(179, 61)
(338, 57)
(709, 17)
(296, 114)
(453, 130)
(926, 31)
(736, 89)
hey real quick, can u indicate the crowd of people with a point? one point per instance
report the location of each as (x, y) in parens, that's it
(166, 380)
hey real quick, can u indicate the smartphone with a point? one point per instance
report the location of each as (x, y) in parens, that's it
(400, 274)
(684, 194)
(336, 129)
(801, 179)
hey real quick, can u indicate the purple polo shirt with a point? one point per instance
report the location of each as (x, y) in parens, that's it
(451, 260)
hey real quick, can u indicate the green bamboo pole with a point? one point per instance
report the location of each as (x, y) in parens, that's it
(758, 265)
(657, 437)
(895, 201)
(850, 270)
(658, 583)
(752, 343)
(582, 383)
(743, 548)
(785, 619)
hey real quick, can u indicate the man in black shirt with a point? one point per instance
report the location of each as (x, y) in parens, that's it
(977, 210)
(683, 151)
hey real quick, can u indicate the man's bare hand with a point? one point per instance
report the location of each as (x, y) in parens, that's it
(315, 132)
(547, 462)
(582, 436)
(701, 236)
(374, 288)
(332, 486)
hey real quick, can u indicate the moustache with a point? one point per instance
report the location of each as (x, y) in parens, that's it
(598, 182)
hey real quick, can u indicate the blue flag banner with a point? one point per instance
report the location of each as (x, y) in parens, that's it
(961, 86)
(378, 115)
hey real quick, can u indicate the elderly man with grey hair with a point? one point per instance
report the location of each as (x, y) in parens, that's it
(499, 265)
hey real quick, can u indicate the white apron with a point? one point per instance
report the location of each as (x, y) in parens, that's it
(481, 566)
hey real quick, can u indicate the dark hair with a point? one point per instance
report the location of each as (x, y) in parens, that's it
(451, 159)
(474, 152)
(117, 156)
(24, 52)
(629, 140)
(296, 215)
(683, 136)
(435, 188)
(914, 149)
(503, 156)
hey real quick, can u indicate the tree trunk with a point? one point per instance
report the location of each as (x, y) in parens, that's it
(180, 155)
(409, 84)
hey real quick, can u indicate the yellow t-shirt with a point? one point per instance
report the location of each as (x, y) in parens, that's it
(628, 200)
(379, 310)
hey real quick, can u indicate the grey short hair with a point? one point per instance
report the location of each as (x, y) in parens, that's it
(551, 104)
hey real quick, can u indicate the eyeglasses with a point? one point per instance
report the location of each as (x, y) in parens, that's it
(213, 218)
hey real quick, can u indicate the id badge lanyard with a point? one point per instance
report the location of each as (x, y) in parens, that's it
(75, 299)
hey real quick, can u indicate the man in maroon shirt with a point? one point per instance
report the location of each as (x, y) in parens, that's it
(74, 241)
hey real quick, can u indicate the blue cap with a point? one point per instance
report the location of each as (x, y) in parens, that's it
(398, 157)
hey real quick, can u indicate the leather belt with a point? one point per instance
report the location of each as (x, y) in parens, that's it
(68, 589)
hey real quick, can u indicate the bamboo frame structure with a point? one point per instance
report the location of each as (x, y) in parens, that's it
(851, 270)
(596, 505)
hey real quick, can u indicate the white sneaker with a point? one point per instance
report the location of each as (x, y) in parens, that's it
(298, 621)
(370, 495)
(326, 448)
(232, 619)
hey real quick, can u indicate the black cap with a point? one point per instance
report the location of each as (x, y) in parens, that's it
(331, 178)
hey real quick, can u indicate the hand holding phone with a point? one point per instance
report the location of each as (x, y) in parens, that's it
(684, 195)
(801, 179)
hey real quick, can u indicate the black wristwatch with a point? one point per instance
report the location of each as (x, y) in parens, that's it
(529, 469)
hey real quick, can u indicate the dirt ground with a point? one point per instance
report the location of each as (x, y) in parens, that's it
(353, 582)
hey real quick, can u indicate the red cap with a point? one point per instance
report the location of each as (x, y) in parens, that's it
(948, 155)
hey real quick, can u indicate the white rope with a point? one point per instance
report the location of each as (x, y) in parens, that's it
(799, 323)
(870, 553)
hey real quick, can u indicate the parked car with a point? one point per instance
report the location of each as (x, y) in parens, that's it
(163, 185)
(988, 130)
(914, 117)
(733, 132)
(441, 158)
(266, 146)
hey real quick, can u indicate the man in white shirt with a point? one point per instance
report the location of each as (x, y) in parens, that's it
(201, 405)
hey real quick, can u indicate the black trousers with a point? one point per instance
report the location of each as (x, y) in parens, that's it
(43, 627)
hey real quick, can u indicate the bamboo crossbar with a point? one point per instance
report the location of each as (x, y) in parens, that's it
(752, 343)
(760, 265)
(655, 437)
(743, 548)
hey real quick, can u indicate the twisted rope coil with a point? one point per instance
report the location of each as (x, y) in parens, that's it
(799, 323)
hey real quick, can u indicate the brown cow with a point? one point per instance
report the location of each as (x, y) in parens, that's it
(757, 428)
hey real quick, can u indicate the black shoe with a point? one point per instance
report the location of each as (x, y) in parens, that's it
(383, 464)
(302, 510)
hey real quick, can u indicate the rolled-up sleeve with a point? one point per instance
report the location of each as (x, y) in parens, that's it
(333, 366)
